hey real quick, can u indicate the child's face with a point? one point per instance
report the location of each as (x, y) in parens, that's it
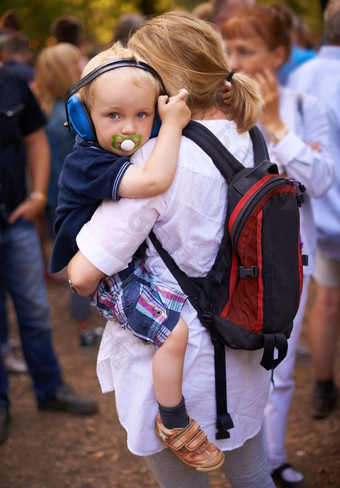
(122, 110)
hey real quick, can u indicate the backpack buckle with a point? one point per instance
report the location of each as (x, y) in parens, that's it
(253, 271)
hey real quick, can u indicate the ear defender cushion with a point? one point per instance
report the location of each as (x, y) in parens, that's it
(156, 125)
(80, 118)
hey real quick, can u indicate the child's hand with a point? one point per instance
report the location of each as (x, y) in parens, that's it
(174, 110)
(226, 89)
(226, 93)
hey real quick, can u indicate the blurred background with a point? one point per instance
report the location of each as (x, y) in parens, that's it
(100, 16)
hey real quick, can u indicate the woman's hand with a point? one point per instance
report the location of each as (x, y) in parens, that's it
(29, 210)
(315, 146)
(269, 88)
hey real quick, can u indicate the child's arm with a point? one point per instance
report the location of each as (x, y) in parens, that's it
(83, 275)
(160, 168)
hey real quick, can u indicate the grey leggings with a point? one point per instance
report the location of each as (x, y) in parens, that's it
(244, 467)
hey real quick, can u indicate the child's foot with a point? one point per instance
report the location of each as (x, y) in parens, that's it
(191, 446)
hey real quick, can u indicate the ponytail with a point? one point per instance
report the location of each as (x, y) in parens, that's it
(246, 103)
(187, 52)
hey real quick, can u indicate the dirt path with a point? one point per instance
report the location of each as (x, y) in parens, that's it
(49, 450)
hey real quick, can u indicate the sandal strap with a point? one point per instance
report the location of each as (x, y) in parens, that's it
(191, 437)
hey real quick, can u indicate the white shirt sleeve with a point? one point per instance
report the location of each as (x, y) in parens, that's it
(116, 230)
(315, 169)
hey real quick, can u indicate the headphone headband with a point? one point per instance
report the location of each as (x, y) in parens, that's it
(117, 63)
(76, 110)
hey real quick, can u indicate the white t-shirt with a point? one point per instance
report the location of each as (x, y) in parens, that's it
(188, 219)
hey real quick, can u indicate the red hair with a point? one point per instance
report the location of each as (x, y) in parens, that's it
(272, 23)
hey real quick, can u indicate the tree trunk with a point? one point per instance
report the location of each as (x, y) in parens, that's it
(147, 7)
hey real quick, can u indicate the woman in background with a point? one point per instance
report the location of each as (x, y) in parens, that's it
(258, 43)
(59, 67)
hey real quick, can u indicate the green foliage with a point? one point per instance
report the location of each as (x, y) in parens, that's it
(100, 16)
(308, 10)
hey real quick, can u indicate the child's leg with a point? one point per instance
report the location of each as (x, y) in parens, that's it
(167, 366)
(173, 426)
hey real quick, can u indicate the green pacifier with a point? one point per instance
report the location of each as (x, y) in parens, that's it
(126, 143)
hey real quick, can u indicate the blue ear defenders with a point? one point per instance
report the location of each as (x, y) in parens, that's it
(77, 113)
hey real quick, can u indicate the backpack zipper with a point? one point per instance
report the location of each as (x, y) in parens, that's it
(242, 217)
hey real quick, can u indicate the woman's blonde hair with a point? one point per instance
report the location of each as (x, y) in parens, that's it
(187, 52)
(117, 51)
(56, 70)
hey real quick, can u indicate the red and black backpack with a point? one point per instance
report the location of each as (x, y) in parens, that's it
(249, 298)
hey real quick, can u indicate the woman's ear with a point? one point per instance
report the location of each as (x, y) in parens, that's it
(279, 56)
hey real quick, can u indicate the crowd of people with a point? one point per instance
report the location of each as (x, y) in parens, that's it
(116, 174)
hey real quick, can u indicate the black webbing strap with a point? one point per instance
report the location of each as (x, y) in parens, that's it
(259, 145)
(276, 341)
(228, 166)
(206, 140)
(182, 279)
(223, 420)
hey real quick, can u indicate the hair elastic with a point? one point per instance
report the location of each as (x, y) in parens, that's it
(231, 74)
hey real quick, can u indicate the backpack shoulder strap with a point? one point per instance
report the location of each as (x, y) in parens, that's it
(207, 141)
(204, 138)
(259, 145)
(181, 278)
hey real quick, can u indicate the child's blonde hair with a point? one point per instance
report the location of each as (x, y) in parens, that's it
(136, 75)
(57, 69)
(187, 52)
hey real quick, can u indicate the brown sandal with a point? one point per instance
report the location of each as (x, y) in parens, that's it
(191, 445)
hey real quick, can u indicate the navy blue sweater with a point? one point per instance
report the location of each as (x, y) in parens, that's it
(89, 176)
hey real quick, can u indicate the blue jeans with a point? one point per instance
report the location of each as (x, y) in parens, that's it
(21, 272)
(4, 340)
(80, 307)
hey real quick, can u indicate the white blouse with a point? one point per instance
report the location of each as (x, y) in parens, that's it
(188, 219)
(315, 169)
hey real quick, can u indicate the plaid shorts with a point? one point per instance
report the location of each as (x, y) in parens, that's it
(139, 302)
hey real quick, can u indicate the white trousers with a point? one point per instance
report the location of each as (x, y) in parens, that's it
(280, 395)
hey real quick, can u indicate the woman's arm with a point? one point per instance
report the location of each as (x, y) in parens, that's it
(308, 158)
(305, 157)
(160, 168)
(109, 240)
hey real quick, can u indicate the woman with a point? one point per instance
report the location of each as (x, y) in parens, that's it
(188, 219)
(258, 43)
(58, 67)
